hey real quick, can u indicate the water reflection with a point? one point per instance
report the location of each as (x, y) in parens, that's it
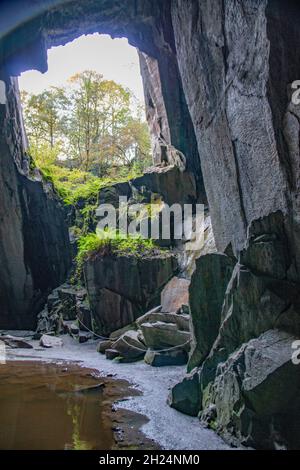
(43, 406)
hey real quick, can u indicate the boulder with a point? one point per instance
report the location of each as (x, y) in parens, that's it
(176, 357)
(182, 321)
(255, 394)
(84, 337)
(15, 342)
(129, 346)
(73, 329)
(207, 292)
(121, 288)
(117, 333)
(103, 345)
(175, 294)
(186, 396)
(160, 335)
(111, 354)
(48, 341)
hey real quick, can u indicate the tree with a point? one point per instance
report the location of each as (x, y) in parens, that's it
(92, 122)
(43, 117)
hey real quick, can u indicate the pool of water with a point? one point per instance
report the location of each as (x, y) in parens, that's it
(55, 406)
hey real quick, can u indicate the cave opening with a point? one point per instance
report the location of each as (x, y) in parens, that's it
(85, 117)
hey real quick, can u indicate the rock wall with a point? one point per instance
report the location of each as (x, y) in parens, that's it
(236, 67)
(34, 243)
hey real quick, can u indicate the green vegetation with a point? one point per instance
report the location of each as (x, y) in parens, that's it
(110, 242)
(114, 242)
(92, 125)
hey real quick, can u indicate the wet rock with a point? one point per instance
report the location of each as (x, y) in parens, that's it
(14, 342)
(48, 341)
(121, 288)
(175, 294)
(186, 396)
(91, 389)
(169, 358)
(160, 335)
(207, 292)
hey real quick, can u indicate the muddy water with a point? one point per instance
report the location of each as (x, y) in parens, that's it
(56, 406)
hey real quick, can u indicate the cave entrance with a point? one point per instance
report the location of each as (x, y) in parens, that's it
(85, 117)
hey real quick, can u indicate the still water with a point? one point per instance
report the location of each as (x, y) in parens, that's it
(54, 406)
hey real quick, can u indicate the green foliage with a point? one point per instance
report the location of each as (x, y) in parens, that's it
(89, 125)
(72, 184)
(113, 242)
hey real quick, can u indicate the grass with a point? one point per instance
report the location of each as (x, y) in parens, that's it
(75, 185)
(110, 242)
(114, 242)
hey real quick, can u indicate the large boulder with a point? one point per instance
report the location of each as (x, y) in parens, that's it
(48, 341)
(175, 294)
(122, 288)
(175, 357)
(15, 342)
(186, 396)
(255, 394)
(129, 346)
(160, 335)
(207, 291)
(182, 320)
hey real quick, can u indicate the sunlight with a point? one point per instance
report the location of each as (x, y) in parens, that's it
(115, 59)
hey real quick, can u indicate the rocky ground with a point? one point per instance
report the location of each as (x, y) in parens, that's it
(154, 383)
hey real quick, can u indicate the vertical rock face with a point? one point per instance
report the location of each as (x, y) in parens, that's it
(223, 51)
(34, 243)
(122, 288)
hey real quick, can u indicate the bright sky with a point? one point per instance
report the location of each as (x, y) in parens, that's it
(115, 59)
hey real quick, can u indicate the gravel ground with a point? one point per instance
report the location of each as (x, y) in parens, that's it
(168, 427)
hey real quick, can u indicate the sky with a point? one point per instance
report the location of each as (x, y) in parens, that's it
(115, 59)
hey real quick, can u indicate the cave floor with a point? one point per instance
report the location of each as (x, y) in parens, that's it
(166, 426)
